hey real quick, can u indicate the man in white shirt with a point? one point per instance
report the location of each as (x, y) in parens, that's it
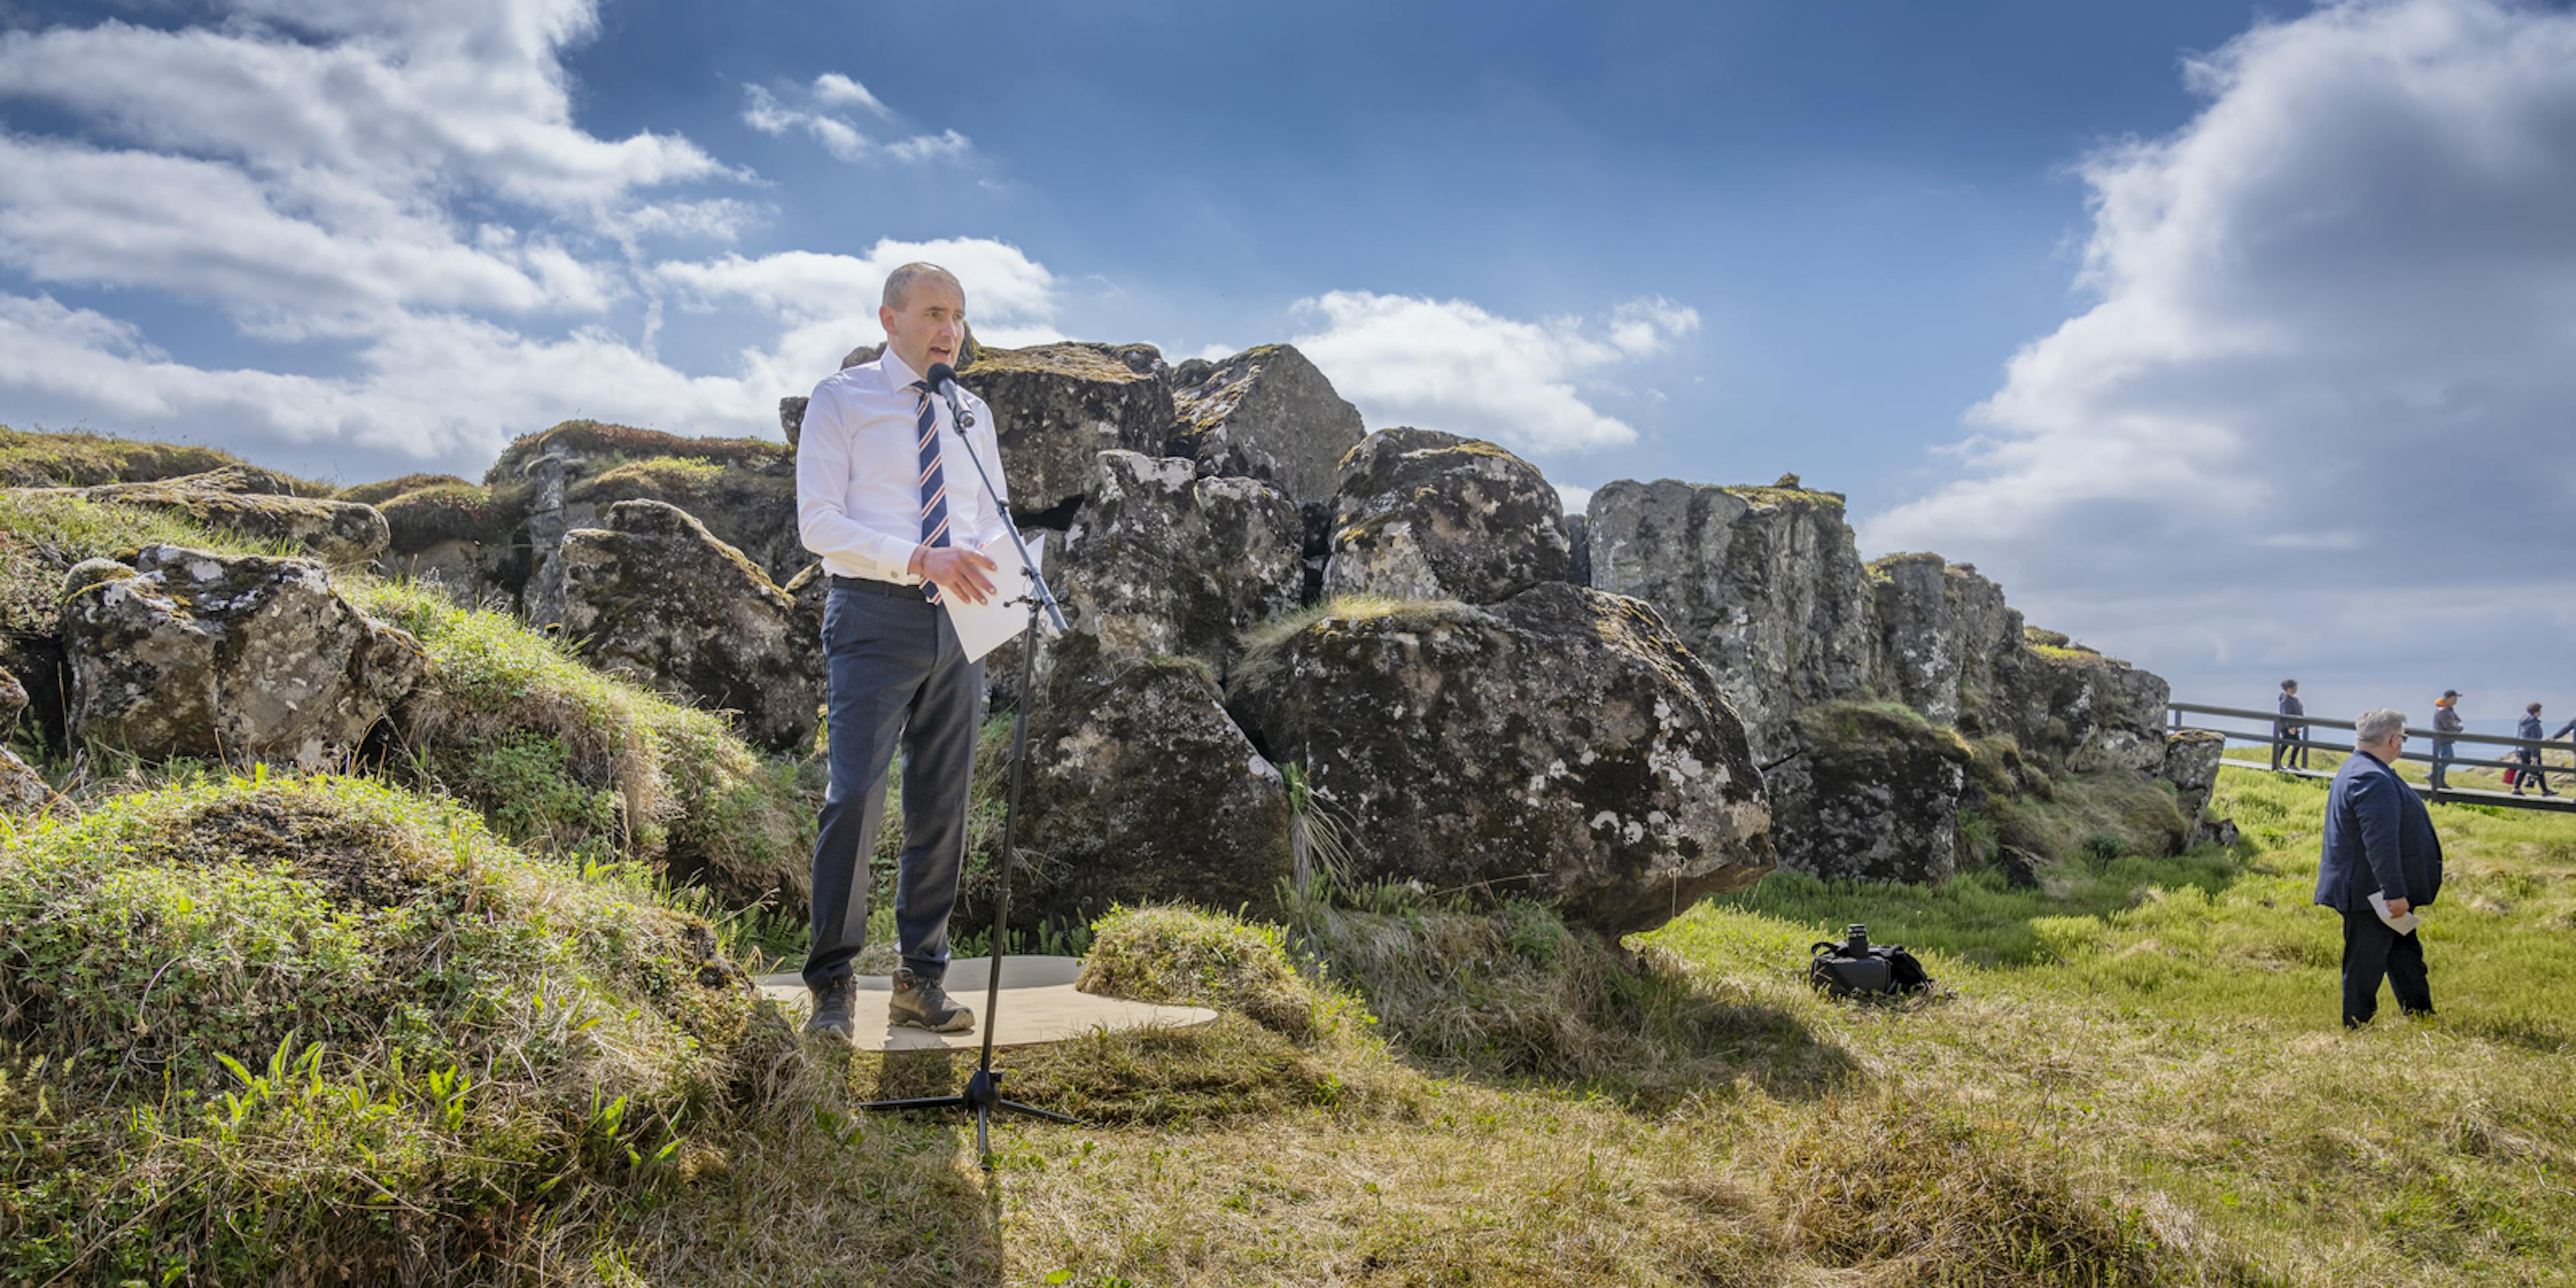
(886, 495)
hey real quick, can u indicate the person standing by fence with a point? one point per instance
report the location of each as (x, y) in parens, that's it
(2534, 769)
(2446, 719)
(2290, 745)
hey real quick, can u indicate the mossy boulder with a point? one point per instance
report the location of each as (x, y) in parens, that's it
(742, 489)
(383, 490)
(1055, 406)
(656, 598)
(44, 533)
(1141, 788)
(1942, 630)
(1163, 561)
(1265, 413)
(1561, 746)
(1419, 514)
(228, 657)
(2191, 765)
(1763, 583)
(461, 536)
(1874, 796)
(250, 504)
(2077, 710)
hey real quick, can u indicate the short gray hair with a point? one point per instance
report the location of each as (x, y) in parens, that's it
(2378, 726)
(899, 282)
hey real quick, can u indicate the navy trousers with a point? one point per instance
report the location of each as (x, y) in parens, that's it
(897, 675)
(2371, 952)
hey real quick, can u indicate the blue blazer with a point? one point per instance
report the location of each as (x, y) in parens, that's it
(2379, 837)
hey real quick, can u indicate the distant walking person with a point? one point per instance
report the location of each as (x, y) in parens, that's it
(2446, 719)
(2290, 745)
(2379, 839)
(2534, 769)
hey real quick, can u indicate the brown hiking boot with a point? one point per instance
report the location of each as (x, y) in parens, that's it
(832, 1006)
(922, 1004)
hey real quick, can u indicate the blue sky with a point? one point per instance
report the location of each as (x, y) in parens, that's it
(2131, 304)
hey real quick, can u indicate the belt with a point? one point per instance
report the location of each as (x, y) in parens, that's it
(872, 586)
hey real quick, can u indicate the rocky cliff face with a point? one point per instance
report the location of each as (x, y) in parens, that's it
(1663, 698)
(1766, 586)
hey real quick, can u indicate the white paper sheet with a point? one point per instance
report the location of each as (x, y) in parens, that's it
(981, 628)
(2402, 925)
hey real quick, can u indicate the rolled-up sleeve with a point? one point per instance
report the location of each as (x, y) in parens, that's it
(823, 522)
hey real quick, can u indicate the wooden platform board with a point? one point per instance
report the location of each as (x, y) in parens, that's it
(1039, 1005)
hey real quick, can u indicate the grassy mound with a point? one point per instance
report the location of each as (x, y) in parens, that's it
(304, 1030)
(87, 460)
(1188, 957)
(564, 757)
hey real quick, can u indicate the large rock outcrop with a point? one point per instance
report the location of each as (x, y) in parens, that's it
(1058, 405)
(656, 598)
(1164, 561)
(1266, 413)
(1562, 745)
(1141, 790)
(1942, 630)
(1419, 514)
(2191, 765)
(1763, 583)
(1875, 795)
(181, 652)
(2072, 707)
(547, 484)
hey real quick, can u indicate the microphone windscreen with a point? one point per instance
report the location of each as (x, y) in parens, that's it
(940, 373)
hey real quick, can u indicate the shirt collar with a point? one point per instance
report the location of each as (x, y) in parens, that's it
(899, 375)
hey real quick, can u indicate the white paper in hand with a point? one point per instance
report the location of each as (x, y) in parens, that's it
(2402, 925)
(983, 627)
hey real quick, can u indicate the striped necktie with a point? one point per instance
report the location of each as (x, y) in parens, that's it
(934, 485)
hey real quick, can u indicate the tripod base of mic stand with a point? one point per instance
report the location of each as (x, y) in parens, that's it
(983, 1095)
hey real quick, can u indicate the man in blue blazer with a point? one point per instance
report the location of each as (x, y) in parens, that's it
(2379, 840)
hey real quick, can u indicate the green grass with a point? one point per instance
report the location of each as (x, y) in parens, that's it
(565, 758)
(2132, 1075)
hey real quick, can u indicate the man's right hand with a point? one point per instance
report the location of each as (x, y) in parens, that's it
(956, 571)
(2398, 907)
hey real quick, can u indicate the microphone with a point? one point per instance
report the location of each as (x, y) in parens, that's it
(943, 378)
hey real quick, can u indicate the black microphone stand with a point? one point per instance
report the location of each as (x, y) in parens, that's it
(983, 1093)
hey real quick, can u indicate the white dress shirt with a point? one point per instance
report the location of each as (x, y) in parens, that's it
(858, 472)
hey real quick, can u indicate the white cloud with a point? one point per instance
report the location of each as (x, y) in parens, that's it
(1575, 498)
(407, 98)
(833, 89)
(1450, 365)
(763, 111)
(2330, 363)
(409, 184)
(943, 146)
